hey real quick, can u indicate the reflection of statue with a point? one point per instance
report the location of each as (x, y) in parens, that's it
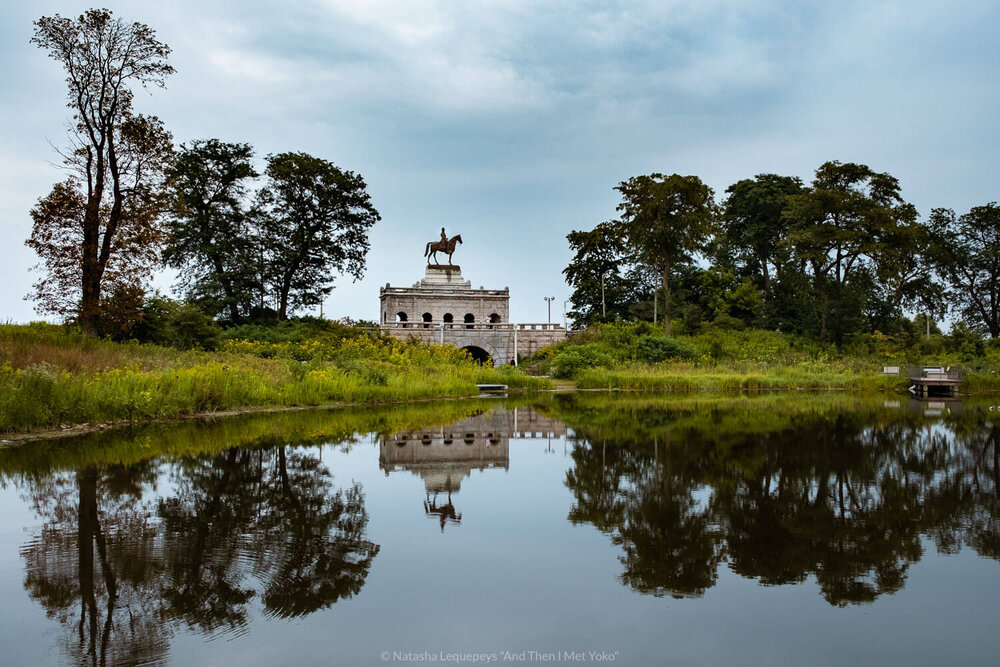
(444, 245)
(445, 513)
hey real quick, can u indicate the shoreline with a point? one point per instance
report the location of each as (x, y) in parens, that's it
(13, 438)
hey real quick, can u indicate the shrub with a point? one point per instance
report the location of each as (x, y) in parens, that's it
(176, 324)
(572, 360)
(659, 348)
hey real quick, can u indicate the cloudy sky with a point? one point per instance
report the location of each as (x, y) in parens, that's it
(511, 122)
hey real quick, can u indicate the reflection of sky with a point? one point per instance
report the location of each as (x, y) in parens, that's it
(516, 575)
(511, 122)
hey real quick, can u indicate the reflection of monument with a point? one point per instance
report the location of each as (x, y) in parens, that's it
(444, 308)
(444, 456)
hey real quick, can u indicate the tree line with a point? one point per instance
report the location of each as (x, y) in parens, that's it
(844, 254)
(246, 245)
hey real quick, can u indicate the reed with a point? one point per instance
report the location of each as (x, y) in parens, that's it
(50, 377)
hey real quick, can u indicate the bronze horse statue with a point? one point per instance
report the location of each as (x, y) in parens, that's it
(444, 246)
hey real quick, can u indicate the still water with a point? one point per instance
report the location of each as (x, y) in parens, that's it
(575, 528)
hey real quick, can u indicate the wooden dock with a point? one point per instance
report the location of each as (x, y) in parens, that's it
(935, 380)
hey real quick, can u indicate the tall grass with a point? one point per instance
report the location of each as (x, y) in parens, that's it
(638, 356)
(62, 378)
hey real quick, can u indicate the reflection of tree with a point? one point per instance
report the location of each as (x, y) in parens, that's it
(119, 572)
(832, 496)
(319, 555)
(213, 505)
(669, 546)
(94, 567)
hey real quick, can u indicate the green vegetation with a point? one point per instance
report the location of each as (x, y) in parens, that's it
(843, 256)
(209, 437)
(682, 485)
(49, 376)
(639, 356)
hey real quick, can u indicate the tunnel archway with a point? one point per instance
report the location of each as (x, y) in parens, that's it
(479, 354)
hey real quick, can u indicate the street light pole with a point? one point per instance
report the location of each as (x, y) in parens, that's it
(549, 300)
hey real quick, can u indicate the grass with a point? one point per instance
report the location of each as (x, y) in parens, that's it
(50, 377)
(198, 437)
(832, 377)
(639, 357)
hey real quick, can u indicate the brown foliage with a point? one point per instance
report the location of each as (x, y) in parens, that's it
(99, 230)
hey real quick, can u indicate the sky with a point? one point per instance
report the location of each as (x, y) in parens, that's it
(512, 122)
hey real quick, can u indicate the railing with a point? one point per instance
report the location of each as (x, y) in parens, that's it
(474, 326)
(936, 373)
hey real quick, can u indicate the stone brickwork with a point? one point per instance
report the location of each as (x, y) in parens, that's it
(444, 308)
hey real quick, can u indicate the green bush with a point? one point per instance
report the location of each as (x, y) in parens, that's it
(570, 361)
(176, 324)
(660, 348)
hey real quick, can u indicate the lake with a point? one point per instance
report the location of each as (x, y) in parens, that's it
(786, 529)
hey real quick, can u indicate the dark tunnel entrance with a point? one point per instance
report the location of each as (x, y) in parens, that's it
(479, 354)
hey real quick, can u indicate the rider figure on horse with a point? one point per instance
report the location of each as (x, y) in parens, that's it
(444, 237)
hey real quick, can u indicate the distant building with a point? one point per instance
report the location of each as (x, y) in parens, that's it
(444, 308)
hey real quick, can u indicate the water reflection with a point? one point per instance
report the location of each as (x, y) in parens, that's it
(206, 528)
(842, 497)
(120, 572)
(444, 456)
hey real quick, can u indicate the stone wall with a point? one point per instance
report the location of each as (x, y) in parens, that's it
(444, 308)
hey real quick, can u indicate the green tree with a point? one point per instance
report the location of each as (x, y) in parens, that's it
(101, 225)
(210, 239)
(966, 253)
(314, 220)
(841, 228)
(606, 282)
(666, 220)
(752, 219)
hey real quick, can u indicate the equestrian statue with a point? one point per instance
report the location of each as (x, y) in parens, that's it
(444, 245)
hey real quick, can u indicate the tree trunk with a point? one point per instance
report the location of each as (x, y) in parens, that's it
(766, 273)
(90, 274)
(604, 312)
(227, 288)
(87, 510)
(824, 310)
(667, 327)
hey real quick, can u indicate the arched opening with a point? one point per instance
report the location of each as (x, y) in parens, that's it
(426, 317)
(401, 317)
(469, 320)
(479, 354)
(494, 319)
(448, 318)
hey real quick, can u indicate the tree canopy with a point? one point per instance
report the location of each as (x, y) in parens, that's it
(100, 228)
(314, 221)
(842, 256)
(666, 219)
(211, 239)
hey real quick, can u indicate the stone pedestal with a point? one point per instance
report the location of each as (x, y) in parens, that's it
(444, 275)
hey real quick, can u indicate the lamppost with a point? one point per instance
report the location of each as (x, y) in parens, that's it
(549, 300)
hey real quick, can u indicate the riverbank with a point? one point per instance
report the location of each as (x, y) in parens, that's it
(50, 376)
(54, 380)
(639, 357)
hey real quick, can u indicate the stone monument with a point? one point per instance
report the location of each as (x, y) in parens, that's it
(444, 308)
